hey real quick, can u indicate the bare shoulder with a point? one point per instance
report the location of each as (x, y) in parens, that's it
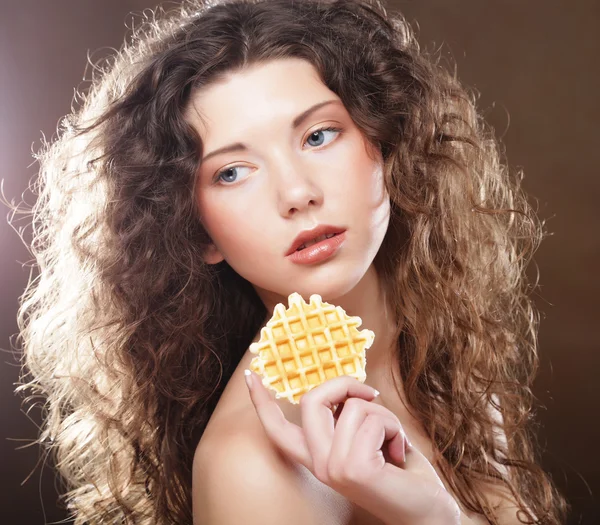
(239, 477)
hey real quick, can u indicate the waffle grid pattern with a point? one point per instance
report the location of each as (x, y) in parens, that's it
(308, 344)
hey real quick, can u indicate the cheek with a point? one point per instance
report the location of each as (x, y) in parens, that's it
(371, 195)
(231, 225)
(379, 194)
(361, 170)
(369, 187)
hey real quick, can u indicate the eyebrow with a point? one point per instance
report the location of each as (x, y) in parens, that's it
(238, 146)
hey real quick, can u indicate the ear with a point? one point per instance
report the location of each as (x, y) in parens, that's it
(212, 255)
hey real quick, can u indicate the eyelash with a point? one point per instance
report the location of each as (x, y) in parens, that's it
(218, 175)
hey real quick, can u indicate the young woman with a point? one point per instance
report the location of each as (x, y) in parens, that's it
(168, 207)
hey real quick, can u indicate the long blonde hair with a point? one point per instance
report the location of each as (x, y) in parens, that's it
(131, 338)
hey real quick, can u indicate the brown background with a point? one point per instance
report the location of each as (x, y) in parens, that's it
(537, 68)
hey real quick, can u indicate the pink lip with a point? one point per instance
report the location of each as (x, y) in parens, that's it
(309, 235)
(319, 251)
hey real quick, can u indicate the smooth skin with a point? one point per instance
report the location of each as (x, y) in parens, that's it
(348, 455)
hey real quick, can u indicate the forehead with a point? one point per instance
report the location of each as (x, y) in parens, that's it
(276, 89)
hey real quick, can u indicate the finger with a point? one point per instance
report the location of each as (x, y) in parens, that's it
(374, 431)
(337, 410)
(288, 437)
(350, 421)
(317, 416)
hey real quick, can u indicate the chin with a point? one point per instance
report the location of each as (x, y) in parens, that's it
(329, 289)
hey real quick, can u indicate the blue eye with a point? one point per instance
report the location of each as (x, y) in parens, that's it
(319, 132)
(227, 176)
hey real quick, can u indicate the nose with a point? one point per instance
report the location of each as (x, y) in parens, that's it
(297, 191)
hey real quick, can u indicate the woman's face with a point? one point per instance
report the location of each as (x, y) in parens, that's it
(289, 178)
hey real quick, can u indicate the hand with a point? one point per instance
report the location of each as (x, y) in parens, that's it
(349, 455)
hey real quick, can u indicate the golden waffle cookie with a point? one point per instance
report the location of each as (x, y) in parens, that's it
(307, 344)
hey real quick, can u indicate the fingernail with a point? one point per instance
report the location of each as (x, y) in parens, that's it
(248, 378)
(376, 392)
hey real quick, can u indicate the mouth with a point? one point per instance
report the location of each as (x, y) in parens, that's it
(309, 237)
(315, 241)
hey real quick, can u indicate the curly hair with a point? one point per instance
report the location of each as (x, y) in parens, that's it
(131, 337)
